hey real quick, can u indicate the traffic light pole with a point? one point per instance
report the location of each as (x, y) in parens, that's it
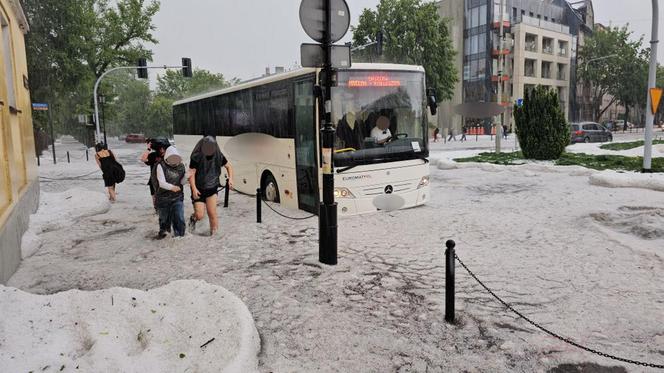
(652, 81)
(98, 134)
(327, 215)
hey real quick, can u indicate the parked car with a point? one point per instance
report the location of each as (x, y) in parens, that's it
(589, 132)
(135, 138)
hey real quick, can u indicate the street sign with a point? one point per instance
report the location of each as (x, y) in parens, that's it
(312, 17)
(655, 97)
(519, 102)
(36, 106)
(313, 55)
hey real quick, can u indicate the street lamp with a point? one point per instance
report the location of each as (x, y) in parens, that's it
(102, 101)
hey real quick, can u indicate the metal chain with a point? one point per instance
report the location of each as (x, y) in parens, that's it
(553, 334)
(284, 216)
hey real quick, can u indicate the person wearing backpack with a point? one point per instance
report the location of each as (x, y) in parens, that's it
(111, 169)
(169, 197)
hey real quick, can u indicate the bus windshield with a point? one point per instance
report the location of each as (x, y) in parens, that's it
(379, 116)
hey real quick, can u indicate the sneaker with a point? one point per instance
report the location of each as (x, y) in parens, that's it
(192, 223)
(161, 235)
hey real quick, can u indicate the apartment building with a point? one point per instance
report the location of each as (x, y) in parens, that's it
(19, 181)
(540, 48)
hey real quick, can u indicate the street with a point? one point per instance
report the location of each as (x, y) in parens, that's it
(580, 259)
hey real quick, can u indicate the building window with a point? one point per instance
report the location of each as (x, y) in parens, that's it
(562, 48)
(561, 71)
(547, 45)
(483, 15)
(531, 43)
(514, 14)
(546, 70)
(529, 68)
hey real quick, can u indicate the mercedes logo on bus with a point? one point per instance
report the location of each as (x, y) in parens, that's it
(389, 189)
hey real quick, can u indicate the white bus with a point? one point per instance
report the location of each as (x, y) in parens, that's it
(270, 132)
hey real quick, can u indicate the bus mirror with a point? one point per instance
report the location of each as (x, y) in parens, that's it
(432, 101)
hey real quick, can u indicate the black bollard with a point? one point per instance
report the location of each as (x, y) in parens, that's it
(258, 205)
(226, 192)
(449, 281)
(38, 160)
(87, 157)
(68, 160)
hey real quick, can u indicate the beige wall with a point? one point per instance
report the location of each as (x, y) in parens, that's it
(18, 168)
(452, 10)
(520, 80)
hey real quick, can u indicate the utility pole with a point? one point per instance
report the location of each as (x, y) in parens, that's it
(652, 79)
(501, 36)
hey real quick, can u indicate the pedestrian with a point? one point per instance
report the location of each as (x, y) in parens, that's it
(624, 126)
(171, 176)
(451, 135)
(156, 147)
(504, 131)
(436, 131)
(111, 169)
(205, 165)
(464, 130)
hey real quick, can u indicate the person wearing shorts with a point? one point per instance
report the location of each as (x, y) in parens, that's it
(205, 166)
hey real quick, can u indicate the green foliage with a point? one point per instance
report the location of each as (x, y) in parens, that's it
(627, 145)
(175, 86)
(541, 126)
(413, 33)
(72, 42)
(624, 75)
(596, 162)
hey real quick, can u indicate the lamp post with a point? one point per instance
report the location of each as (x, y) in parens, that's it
(652, 78)
(102, 101)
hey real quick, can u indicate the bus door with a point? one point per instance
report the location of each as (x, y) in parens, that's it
(305, 146)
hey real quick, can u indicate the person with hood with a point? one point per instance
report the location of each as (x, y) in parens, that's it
(156, 147)
(169, 197)
(205, 169)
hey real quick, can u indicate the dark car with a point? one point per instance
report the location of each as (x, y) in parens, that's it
(589, 132)
(135, 138)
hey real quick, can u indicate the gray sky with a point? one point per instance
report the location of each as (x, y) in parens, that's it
(239, 38)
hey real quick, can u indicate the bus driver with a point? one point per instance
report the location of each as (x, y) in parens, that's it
(381, 132)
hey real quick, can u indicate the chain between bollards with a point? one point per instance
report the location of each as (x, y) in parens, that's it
(449, 281)
(258, 205)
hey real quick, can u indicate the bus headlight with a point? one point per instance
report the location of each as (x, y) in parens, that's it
(343, 193)
(423, 182)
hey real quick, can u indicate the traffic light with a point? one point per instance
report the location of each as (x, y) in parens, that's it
(186, 67)
(142, 68)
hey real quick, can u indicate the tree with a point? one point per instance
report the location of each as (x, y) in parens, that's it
(413, 33)
(73, 42)
(541, 127)
(614, 75)
(175, 86)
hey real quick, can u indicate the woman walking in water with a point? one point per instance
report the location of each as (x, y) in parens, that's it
(205, 166)
(112, 170)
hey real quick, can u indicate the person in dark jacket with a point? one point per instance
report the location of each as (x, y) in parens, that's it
(152, 157)
(169, 197)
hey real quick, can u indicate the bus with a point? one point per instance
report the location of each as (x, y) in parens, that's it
(269, 129)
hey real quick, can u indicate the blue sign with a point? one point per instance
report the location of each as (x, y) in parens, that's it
(39, 106)
(519, 102)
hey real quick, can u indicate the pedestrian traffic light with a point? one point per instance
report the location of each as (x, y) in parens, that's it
(186, 67)
(142, 68)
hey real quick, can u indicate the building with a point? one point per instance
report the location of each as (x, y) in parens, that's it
(540, 48)
(19, 181)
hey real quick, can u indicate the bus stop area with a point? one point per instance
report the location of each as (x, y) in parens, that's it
(581, 259)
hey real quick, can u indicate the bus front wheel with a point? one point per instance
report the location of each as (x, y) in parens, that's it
(270, 189)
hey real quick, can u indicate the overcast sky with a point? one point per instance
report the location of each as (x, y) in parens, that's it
(241, 38)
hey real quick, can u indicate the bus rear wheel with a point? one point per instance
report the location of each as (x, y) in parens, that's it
(270, 189)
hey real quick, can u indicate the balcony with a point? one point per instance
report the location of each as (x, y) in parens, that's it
(562, 52)
(547, 46)
(496, 25)
(496, 52)
(531, 47)
(561, 75)
(496, 78)
(545, 24)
